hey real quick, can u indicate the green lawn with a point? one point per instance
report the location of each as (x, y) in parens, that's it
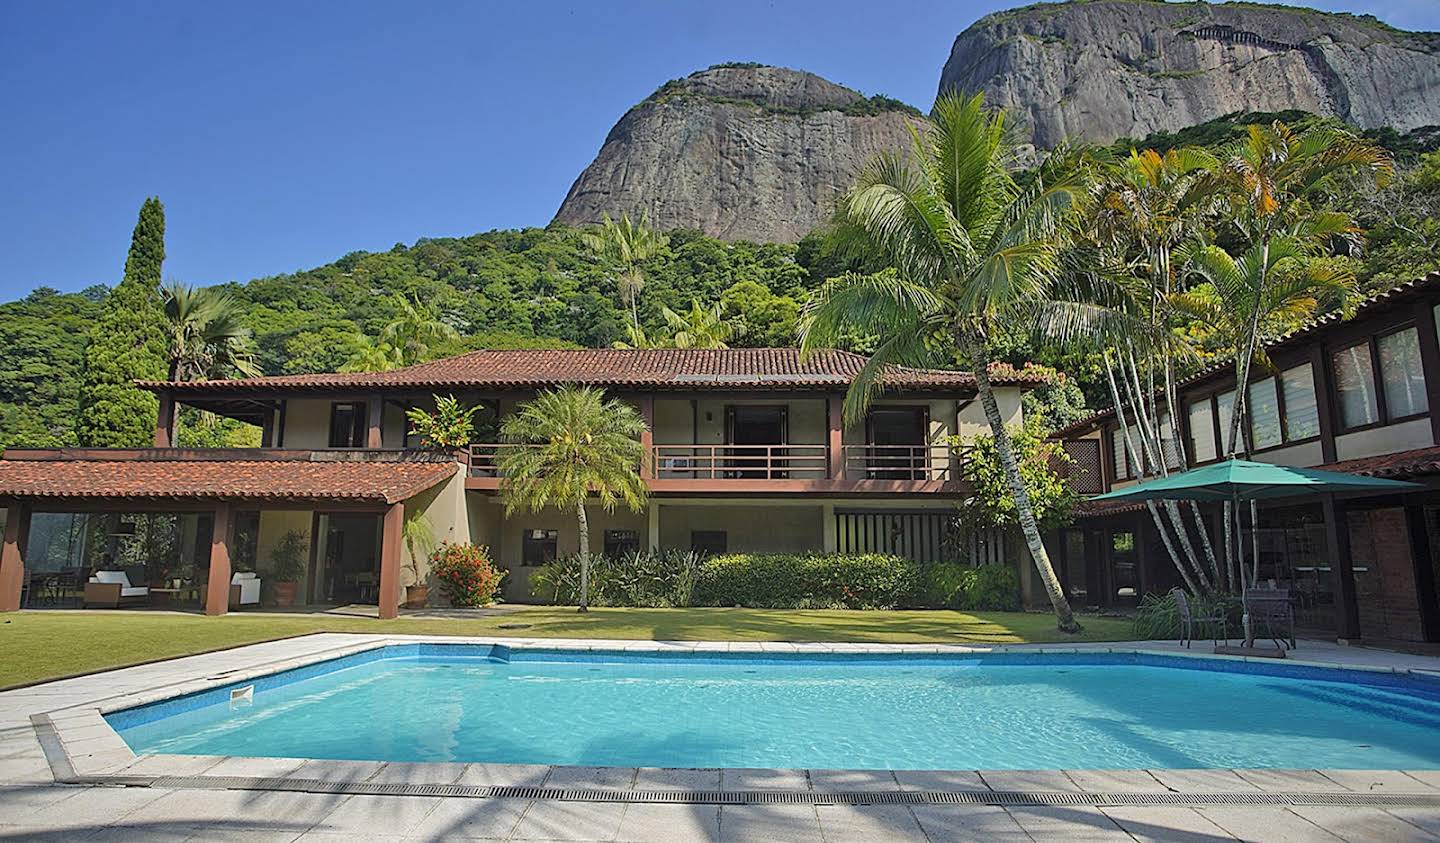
(44, 645)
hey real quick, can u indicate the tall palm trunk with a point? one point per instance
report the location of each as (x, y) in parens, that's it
(1065, 619)
(584, 523)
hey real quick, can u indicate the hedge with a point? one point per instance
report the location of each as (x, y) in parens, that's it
(817, 581)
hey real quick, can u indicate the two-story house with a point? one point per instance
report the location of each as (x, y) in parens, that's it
(746, 451)
(1359, 395)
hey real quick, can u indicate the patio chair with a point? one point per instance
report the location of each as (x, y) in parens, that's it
(1271, 609)
(245, 589)
(1188, 620)
(112, 589)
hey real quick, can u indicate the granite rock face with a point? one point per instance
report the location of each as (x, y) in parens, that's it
(739, 152)
(1108, 69)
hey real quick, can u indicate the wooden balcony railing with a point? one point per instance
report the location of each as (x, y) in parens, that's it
(898, 462)
(741, 462)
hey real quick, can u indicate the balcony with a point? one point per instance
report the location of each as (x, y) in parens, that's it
(789, 468)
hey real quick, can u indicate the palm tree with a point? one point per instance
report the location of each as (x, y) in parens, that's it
(699, 327)
(969, 249)
(626, 244)
(206, 336)
(571, 444)
(415, 331)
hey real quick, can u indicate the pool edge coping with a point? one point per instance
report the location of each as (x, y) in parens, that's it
(82, 748)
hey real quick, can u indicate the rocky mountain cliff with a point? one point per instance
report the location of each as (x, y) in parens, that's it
(1107, 69)
(741, 152)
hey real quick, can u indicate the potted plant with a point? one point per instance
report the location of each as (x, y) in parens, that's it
(419, 541)
(287, 565)
(450, 428)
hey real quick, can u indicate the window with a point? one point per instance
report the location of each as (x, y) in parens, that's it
(1202, 431)
(620, 542)
(1402, 376)
(1355, 387)
(347, 425)
(708, 542)
(1167, 441)
(1224, 411)
(1264, 414)
(1302, 419)
(539, 547)
(1120, 458)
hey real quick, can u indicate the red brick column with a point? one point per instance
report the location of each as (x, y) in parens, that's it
(217, 591)
(375, 421)
(12, 556)
(390, 546)
(164, 422)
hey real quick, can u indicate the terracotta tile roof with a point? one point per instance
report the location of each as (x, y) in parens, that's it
(661, 368)
(1384, 298)
(1402, 464)
(380, 482)
(1100, 509)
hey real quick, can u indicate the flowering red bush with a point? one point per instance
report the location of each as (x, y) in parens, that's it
(465, 574)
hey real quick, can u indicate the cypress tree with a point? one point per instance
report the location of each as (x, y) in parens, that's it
(126, 344)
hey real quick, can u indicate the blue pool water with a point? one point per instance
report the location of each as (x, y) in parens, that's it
(449, 703)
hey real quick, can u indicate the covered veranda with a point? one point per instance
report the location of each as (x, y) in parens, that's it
(179, 524)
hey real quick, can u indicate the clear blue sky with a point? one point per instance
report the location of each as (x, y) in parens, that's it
(281, 135)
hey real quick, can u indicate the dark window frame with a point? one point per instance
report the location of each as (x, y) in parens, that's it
(1212, 397)
(1382, 403)
(528, 540)
(359, 423)
(610, 539)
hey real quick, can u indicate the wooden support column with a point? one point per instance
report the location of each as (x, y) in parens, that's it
(374, 421)
(1324, 401)
(647, 437)
(217, 591)
(165, 422)
(12, 556)
(390, 546)
(1337, 535)
(829, 534)
(1420, 550)
(1430, 365)
(834, 406)
(653, 526)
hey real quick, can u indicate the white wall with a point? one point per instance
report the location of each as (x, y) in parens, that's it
(1389, 439)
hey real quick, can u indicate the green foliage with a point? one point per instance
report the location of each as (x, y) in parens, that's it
(644, 579)
(42, 348)
(450, 427)
(807, 581)
(465, 574)
(991, 503)
(970, 588)
(1158, 617)
(287, 560)
(127, 343)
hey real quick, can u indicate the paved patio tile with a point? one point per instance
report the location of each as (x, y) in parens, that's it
(254, 809)
(968, 824)
(655, 823)
(1361, 825)
(242, 835)
(546, 820)
(1022, 780)
(596, 778)
(1430, 777)
(503, 775)
(19, 802)
(430, 773)
(1267, 825)
(1378, 781)
(1203, 781)
(172, 765)
(93, 807)
(659, 778)
(1425, 819)
(863, 823)
(940, 780)
(1068, 823)
(259, 767)
(770, 823)
(1291, 781)
(392, 816)
(1168, 824)
(761, 778)
(1116, 781)
(836, 781)
(337, 771)
(471, 818)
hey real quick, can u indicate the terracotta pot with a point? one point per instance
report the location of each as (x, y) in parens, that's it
(285, 593)
(416, 596)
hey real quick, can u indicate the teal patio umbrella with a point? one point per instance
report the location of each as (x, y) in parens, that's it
(1235, 480)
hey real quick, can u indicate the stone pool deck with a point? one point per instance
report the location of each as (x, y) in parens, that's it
(64, 775)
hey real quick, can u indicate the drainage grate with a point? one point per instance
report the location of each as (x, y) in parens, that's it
(1015, 798)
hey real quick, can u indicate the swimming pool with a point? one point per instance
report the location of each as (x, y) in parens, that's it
(433, 702)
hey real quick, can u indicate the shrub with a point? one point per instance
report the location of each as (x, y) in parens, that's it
(807, 581)
(465, 574)
(1158, 617)
(970, 588)
(640, 578)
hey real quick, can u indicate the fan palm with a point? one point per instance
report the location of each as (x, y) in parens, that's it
(968, 249)
(572, 444)
(206, 336)
(626, 244)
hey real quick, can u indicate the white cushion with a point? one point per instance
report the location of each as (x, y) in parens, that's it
(112, 578)
(243, 575)
(134, 591)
